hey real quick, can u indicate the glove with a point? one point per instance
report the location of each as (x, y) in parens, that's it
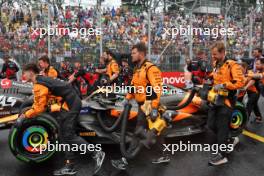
(219, 86)
(154, 114)
(188, 85)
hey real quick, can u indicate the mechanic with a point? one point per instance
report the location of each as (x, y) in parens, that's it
(46, 68)
(78, 80)
(253, 95)
(65, 70)
(85, 77)
(198, 69)
(112, 68)
(101, 66)
(242, 92)
(258, 78)
(9, 69)
(125, 73)
(227, 77)
(257, 54)
(43, 88)
(146, 75)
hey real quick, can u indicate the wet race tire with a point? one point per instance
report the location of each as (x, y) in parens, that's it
(239, 120)
(27, 138)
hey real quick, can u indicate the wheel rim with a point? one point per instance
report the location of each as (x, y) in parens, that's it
(34, 138)
(237, 120)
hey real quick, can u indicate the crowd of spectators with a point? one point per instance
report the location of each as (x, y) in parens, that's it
(120, 28)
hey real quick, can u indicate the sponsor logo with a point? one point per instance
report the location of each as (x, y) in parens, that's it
(4, 113)
(173, 78)
(7, 101)
(6, 83)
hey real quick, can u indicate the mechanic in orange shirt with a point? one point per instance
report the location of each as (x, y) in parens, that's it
(67, 113)
(146, 85)
(112, 68)
(46, 68)
(227, 77)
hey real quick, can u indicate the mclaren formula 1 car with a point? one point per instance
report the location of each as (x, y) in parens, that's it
(103, 119)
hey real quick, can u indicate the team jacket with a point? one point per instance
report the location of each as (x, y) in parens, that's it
(229, 73)
(112, 68)
(147, 76)
(51, 72)
(253, 87)
(48, 91)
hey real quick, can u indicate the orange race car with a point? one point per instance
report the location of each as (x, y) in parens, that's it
(103, 119)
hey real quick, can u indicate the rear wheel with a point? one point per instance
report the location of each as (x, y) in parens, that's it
(27, 140)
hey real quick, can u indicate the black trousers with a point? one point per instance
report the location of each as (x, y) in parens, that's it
(219, 118)
(67, 128)
(252, 104)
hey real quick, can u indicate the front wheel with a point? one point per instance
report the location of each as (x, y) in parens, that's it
(26, 140)
(239, 120)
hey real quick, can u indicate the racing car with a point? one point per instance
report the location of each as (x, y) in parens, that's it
(102, 120)
(12, 96)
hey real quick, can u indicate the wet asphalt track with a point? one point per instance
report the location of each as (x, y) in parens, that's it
(247, 160)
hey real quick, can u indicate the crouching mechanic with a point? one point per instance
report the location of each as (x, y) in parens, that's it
(44, 88)
(146, 76)
(227, 78)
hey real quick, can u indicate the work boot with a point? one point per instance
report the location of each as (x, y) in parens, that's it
(234, 141)
(99, 159)
(120, 164)
(258, 120)
(68, 169)
(162, 159)
(217, 159)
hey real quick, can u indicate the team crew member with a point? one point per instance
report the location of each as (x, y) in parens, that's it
(258, 77)
(227, 76)
(9, 69)
(197, 69)
(46, 68)
(125, 74)
(85, 78)
(65, 70)
(112, 68)
(146, 76)
(257, 54)
(43, 89)
(261, 83)
(253, 93)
